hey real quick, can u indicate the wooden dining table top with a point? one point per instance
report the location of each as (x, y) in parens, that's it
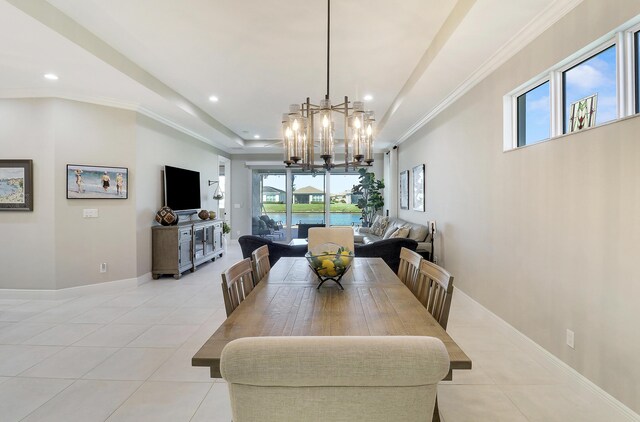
(285, 302)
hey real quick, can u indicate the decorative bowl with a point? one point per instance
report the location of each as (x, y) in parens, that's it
(329, 261)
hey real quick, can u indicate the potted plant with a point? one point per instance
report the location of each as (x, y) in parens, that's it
(371, 196)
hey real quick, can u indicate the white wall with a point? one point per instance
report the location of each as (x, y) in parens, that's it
(546, 237)
(158, 145)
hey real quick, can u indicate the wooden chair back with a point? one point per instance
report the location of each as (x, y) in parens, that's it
(237, 283)
(342, 236)
(260, 263)
(409, 268)
(434, 291)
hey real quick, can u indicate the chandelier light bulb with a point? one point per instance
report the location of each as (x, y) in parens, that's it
(357, 123)
(296, 125)
(325, 121)
(369, 130)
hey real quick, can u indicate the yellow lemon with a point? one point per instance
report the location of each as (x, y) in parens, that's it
(345, 258)
(332, 273)
(328, 264)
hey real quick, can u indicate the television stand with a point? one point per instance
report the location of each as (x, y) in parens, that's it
(176, 249)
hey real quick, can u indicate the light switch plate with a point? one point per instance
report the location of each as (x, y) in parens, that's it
(90, 213)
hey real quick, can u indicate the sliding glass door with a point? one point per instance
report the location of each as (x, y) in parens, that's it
(269, 205)
(342, 204)
(286, 203)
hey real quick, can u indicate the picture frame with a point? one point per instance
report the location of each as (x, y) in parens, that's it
(16, 185)
(404, 190)
(97, 182)
(418, 188)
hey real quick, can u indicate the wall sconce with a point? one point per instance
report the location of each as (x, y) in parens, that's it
(217, 194)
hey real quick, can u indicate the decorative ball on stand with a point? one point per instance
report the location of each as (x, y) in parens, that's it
(167, 217)
(204, 215)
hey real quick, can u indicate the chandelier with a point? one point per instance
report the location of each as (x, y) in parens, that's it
(309, 129)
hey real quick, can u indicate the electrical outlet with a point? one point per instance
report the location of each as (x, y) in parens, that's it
(103, 267)
(435, 259)
(570, 338)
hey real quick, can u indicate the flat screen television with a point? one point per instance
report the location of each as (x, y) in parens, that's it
(181, 188)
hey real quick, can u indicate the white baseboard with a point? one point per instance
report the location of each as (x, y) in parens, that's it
(97, 288)
(518, 337)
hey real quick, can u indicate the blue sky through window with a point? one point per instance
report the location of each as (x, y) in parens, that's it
(596, 75)
(536, 115)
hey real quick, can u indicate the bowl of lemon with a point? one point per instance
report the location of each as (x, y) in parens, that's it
(329, 261)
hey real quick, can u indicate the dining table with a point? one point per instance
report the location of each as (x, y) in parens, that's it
(287, 302)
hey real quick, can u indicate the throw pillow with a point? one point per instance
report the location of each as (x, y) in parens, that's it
(380, 226)
(400, 232)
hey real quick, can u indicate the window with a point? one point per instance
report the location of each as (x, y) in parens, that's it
(596, 85)
(637, 53)
(534, 115)
(590, 91)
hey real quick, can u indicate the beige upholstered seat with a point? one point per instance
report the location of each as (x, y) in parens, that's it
(434, 290)
(260, 263)
(342, 236)
(237, 283)
(409, 268)
(389, 378)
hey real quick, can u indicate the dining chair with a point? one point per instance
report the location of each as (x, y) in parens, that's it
(342, 236)
(324, 378)
(434, 290)
(260, 263)
(237, 283)
(409, 268)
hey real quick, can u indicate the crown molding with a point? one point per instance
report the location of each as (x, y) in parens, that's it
(543, 21)
(113, 103)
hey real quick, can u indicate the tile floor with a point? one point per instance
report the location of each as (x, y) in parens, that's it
(126, 357)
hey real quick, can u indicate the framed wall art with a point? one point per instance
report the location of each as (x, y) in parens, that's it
(418, 188)
(404, 190)
(97, 182)
(16, 185)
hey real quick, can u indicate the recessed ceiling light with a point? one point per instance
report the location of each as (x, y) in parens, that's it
(256, 136)
(213, 99)
(368, 97)
(51, 76)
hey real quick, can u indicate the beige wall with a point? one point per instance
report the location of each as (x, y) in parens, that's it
(27, 246)
(54, 247)
(158, 145)
(546, 237)
(93, 135)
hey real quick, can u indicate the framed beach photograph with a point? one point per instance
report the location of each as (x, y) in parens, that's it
(16, 185)
(418, 188)
(97, 182)
(404, 190)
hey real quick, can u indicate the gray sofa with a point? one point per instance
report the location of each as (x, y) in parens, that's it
(418, 232)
